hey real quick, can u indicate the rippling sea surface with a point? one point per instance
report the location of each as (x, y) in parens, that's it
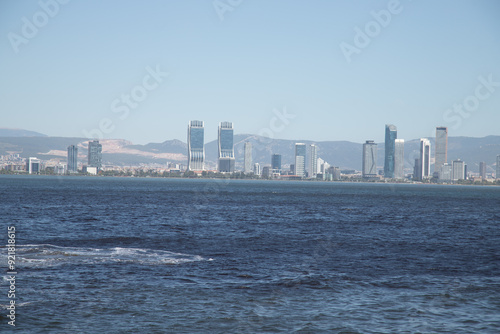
(125, 255)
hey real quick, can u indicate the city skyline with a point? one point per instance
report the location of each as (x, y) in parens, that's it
(139, 79)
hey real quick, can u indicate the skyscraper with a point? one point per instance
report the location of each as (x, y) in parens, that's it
(196, 146)
(256, 168)
(391, 133)
(276, 161)
(369, 159)
(226, 147)
(441, 154)
(248, 158)
(33, 165)
(498, 167)
(95, 154)
(424, 167)
(300, 159)
(72, 158)
(482, 170)
(458, 168)
(313, 161)
(399, 158)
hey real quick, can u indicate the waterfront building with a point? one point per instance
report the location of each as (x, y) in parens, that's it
(424, 167)
(226, 147)
(459, 172)
(196, 146)
(300, 159)
(95, 154)
(369, 159)
(248, 158)
(33, 165)
(399, 159)
(313, 160)
(446, 172)
(441, 153)
(391, 134)
(482, 170)
(276, 161)
(72, 158)
(256, 168)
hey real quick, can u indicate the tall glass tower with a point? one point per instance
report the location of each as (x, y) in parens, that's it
(276, 161)
(196, 146)
(226, 147)
(300, 159)
(248, 158)
(441, 154)
(369, 159)
(391, 134)
(313, 161)
(424, 167)
(95, 154)
(399, 159)
(72, 158)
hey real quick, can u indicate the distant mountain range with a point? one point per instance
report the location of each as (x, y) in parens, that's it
(5, 132)
(344, 154)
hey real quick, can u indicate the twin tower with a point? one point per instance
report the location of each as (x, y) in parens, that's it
(196, 147)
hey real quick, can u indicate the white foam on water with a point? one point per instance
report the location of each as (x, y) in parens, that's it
(45, 255)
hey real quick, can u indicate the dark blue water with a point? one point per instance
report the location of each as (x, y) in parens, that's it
(115, 255)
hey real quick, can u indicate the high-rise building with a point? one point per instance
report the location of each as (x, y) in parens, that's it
(248, 158)
(313, 161)
(441, 154)
(446, 172)
(399, 159)
(226, 147)
(72, 158)
(369, 159)
(498, 167)
(391, 134)
(196, 146)
(95, 154)
(300, 159)
(482, 170)
(424, 160)
(276, 161)
(256, 168)
(33, 165)
(458, 168)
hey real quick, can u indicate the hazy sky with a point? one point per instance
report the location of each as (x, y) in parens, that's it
(343, 69)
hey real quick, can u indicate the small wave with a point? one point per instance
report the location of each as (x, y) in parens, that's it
(45, 255)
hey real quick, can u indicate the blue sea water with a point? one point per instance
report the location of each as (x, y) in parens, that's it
(128, 255)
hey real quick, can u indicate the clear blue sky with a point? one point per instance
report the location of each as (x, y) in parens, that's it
(263, 55)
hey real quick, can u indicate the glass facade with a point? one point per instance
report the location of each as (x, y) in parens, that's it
(369, 159)
(391, 134)
(196, 146)
(95, 154)
(300, 159)
(226, 147)
(72, 158)
(441, 154)
(399, 159)
(276, 161)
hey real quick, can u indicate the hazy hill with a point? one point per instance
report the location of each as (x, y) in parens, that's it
(5, 132)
